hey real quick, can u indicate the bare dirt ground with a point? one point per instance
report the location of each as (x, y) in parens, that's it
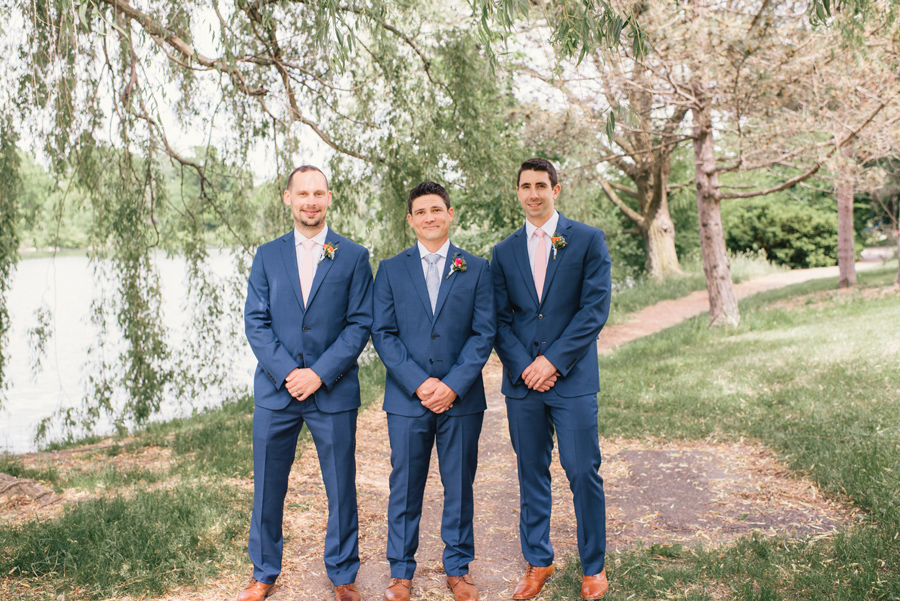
(706, 493)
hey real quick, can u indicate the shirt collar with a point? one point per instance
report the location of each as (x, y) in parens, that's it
(549, 226)
(319, 238)
(443, 250)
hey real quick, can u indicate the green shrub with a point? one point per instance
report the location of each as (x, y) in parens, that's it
(790, 233)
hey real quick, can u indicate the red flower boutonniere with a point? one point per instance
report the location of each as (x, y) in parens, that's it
(458, 264)
(558, 243)
(328, 251)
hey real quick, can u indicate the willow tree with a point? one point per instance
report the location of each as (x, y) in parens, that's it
(107, 89)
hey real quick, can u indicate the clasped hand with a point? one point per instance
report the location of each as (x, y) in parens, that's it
(302, 382)
(541, 375)
(435, 395)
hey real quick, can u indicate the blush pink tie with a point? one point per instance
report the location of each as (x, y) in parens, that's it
(307, 268)
(540, 261)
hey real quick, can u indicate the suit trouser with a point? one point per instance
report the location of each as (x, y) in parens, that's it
(532, 421)
(274, 446)
(412, 439)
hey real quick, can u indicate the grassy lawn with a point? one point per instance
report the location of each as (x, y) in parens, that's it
(145, 530)
(816, 379)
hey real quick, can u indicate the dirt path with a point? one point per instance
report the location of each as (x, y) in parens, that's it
(705, 493)
(666, 314)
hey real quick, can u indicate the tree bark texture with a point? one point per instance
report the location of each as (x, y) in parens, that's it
(659, 239)
(723, 306)
(845, 251)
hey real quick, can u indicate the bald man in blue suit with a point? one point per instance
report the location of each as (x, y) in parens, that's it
(434, 328)
(308, 316)
(552, 288)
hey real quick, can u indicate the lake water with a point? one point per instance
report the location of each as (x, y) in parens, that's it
(67, 285)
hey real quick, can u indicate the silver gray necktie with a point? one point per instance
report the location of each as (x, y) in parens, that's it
(432, 279)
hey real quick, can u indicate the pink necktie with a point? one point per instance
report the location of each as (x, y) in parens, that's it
(540, 261)
(306, 269)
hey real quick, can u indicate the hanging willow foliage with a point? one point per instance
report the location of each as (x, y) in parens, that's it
(398, 92)
(9, 239)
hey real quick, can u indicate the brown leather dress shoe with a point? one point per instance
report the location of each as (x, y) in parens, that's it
(346, 592)
(256, 591)
(594, 587)
(462, 587)
(532, 582)
(398, 590)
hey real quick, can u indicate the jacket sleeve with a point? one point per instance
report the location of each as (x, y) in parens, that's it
(344, 351)
(512, 352)
(386, 337)
(275, 360)
(585, 325)
(477, 349)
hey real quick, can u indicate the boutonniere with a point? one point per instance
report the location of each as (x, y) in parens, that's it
(328, 251)
(558, 243)
(458, 264)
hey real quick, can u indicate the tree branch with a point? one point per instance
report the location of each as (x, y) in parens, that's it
(814, 169)
(633, 215)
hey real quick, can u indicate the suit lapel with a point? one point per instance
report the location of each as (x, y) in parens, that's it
(414, 266)
(446, 283)
(563, 227)
(324, 265)
(520, 251)
(289, 254)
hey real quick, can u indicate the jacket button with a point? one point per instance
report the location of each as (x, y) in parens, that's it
(541, 316)
(431, 361)
(435, 336)
(535, 343)
(300, 356)
(305, 329)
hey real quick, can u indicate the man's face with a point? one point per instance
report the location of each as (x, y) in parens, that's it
(309, 199)
(430, 219)
(537, 196)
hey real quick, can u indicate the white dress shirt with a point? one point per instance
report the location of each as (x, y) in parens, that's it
(443, 251)
(548, 228)
(319, 239)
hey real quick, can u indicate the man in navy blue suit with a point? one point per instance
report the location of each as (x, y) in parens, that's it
(308, 316)
(434, 328)
(552, 286)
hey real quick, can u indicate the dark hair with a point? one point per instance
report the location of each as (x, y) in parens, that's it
(304, 169)
(536, 164)
(424, 189)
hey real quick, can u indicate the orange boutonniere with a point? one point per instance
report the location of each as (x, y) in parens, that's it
(328, 251)
(558, 243)
(458, 264)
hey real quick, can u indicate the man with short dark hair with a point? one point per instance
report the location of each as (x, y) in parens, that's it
(308, 316)
(551, 289)
(434, 328)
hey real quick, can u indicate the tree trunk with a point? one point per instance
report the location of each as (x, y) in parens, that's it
(845, 251)
(659, 239)
(723, 307)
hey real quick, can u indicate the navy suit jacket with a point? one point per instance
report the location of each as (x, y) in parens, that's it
(565, 324)
(327, 335)
(453, 345)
